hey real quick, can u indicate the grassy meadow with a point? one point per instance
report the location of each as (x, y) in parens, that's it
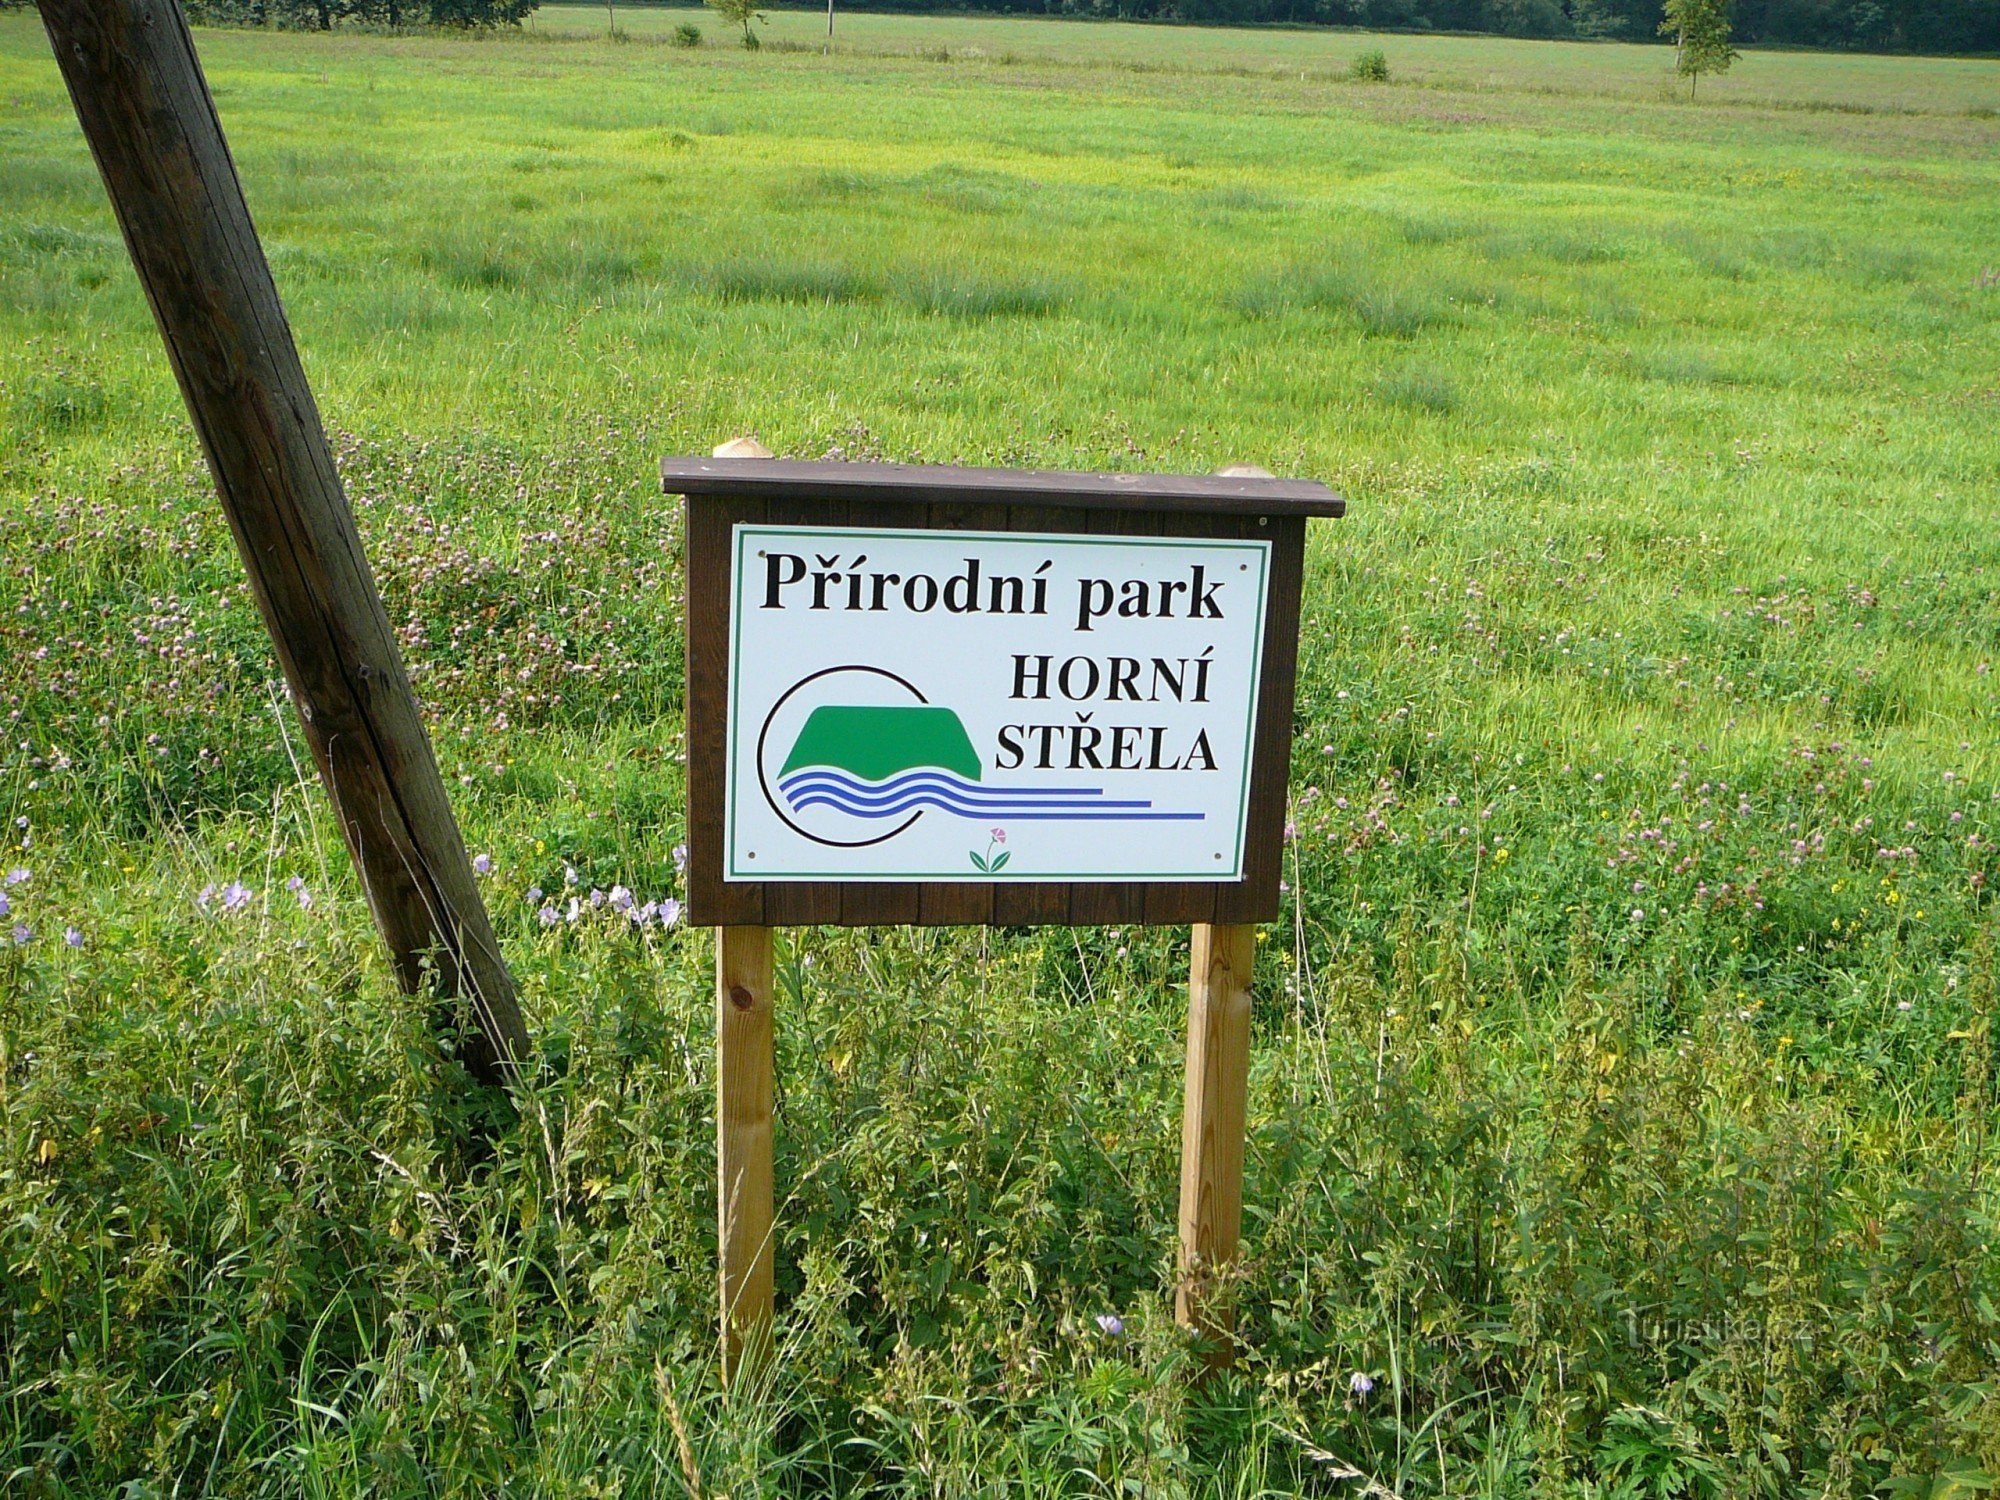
(1460, 64)
(1623, 1093)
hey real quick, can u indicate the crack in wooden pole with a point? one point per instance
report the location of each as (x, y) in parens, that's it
(148, 116)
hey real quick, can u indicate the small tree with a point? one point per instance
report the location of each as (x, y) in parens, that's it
(739, 13)
(1371, 66)
(1700, 29)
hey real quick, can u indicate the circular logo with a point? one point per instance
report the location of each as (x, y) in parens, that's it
(821, 749)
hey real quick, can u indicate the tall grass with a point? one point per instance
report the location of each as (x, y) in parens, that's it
(1623, 1102)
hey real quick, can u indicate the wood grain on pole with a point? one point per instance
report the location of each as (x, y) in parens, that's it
(1212, 1129)
(745, 1084)
(151, 124)
(743, 1091)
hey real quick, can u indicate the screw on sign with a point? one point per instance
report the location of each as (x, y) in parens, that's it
(957, 696)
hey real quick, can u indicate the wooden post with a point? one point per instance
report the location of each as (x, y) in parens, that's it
(743, 1087)
(744, 1084)
(1212, 1129)
(146, 111)
(1214, 1114)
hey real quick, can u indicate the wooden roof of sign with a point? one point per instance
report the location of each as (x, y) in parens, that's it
(1212, 494)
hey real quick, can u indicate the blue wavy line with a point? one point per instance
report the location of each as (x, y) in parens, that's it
(1026, 798)
(1111, 812)
(827, 797)
(926, 777)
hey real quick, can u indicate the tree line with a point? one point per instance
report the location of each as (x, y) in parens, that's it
(1862, 25)
(1960, 26)
(324, 15)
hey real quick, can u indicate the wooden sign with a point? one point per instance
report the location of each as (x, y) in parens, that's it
(943, 696)
(940, 696)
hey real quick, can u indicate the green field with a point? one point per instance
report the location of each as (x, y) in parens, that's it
(1623, 1082)
(1476, 64)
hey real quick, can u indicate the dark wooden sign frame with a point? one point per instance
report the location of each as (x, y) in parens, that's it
(722, 493)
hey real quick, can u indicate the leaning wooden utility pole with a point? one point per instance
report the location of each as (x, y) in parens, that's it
(146, 111)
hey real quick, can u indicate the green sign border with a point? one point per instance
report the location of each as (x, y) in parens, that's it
(743, 530)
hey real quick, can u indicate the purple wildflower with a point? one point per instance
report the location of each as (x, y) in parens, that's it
(482, 864)
(16, 875)
(620, 898)
(301, 892)
(1360, 1384)
(21, 933)
(72, 938)
(1110, 1325)
(235, 896)
(670, 912)
(680, 859)
(534, 894)
(549, 916)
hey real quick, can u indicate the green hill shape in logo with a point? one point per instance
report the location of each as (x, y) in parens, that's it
(877, 743)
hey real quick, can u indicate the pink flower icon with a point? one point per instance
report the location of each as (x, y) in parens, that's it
(999, 835)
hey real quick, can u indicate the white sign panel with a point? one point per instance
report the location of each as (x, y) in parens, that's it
(975, 706)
